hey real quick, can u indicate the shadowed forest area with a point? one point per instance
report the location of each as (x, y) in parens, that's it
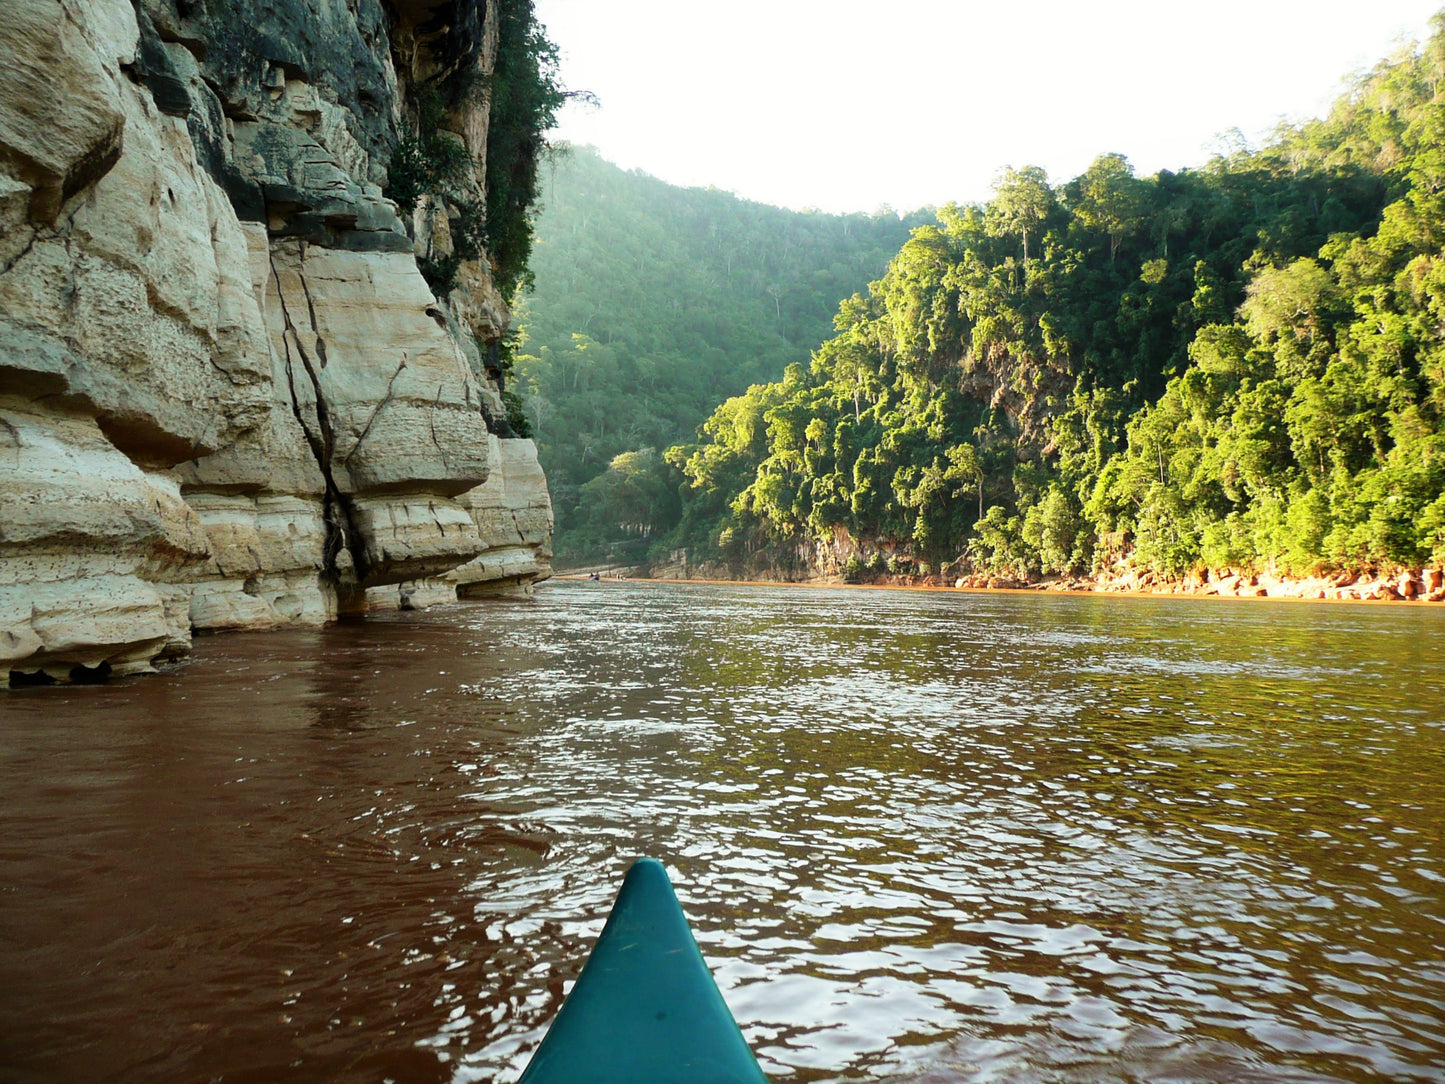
(652, 304)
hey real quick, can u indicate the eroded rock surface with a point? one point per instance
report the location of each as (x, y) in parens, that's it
(513, 516)
(228, 398)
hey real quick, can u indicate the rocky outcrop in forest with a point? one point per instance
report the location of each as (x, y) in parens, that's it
(229, 399)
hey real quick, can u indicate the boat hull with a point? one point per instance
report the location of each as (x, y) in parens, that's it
(645, 1008)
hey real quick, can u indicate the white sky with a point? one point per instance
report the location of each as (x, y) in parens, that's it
(846, 105)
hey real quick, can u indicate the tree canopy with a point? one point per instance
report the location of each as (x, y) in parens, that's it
(1241, 365)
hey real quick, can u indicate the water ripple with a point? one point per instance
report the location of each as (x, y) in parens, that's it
(921, 837)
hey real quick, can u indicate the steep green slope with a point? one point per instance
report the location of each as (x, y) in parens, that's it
(652, 303)
(1238, 366)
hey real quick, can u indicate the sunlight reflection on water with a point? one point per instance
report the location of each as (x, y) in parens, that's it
(1023, 839)
(921, 837)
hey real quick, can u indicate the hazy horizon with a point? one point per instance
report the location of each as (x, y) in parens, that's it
(839, 109)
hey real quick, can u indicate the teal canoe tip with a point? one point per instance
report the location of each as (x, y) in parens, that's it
(648, 876)
(645, 1009)
(646, 867)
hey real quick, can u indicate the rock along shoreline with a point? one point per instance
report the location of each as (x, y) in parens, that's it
(1409, 585)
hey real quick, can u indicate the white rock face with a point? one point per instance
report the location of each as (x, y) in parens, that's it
(228, 398)
(376, 375)
(513, 516)
(266, 565)
(53, 144)
(94, 551)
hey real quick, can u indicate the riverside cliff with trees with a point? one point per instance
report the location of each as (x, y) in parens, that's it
(1237, 367)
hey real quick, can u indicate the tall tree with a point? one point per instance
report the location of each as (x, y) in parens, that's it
(1112, 200)
(1022, 203)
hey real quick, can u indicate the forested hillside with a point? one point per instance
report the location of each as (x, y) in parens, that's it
(652, 304)
(1242, 365)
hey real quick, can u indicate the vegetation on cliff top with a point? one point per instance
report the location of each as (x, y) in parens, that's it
(1242, 365)
(522, 96)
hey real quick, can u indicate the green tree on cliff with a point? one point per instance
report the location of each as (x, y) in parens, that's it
(1241, 365)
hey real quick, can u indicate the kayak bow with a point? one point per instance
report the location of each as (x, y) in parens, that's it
(645, 1009)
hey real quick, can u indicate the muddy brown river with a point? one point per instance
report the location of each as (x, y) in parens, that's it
(922, 837)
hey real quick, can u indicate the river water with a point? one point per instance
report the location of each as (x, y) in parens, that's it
(922, 837)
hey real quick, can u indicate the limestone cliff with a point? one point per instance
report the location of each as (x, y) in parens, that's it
(228, 397)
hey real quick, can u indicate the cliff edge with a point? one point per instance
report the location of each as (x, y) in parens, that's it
(229, 399)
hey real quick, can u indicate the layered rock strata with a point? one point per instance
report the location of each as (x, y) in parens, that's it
(513, 517)
(228, 398)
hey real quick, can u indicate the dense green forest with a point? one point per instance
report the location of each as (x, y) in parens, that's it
(1237, 366)
(652, 304)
